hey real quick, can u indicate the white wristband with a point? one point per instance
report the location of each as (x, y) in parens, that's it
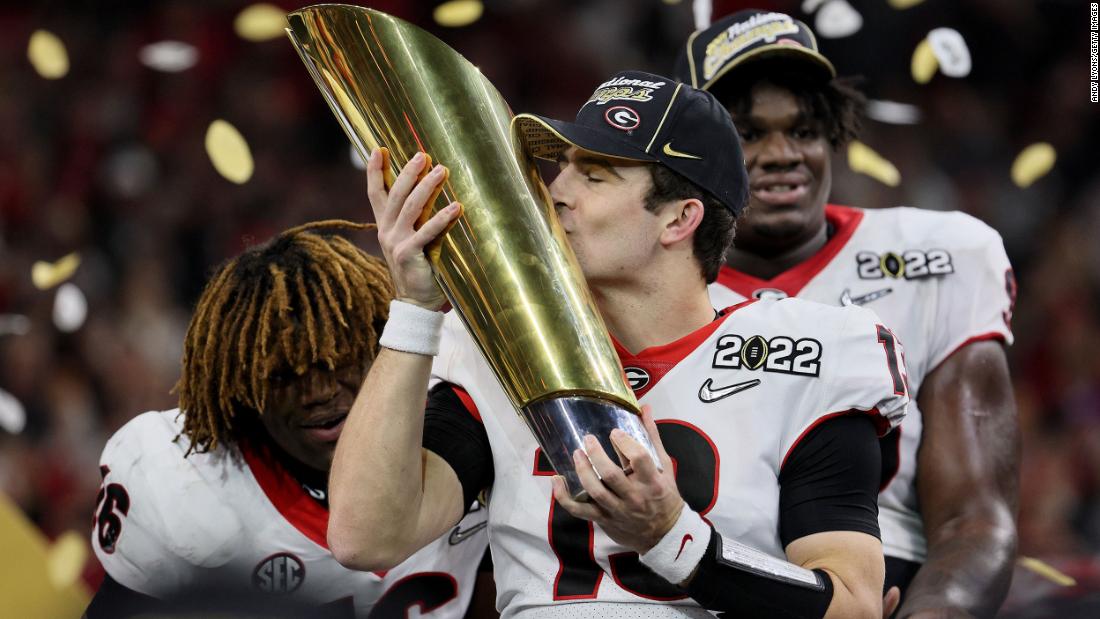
(413, 329)
(681, 549)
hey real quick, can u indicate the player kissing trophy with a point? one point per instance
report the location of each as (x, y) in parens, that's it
(504, 264)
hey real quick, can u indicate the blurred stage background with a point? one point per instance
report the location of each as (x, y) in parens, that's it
(103, 154)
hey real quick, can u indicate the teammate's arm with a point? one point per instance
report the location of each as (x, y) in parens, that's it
(967, 483)
(388, 496)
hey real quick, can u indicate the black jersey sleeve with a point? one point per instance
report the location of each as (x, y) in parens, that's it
(830, 481)
(453, 430)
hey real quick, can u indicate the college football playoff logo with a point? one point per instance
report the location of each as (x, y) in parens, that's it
(909, 264)
(622, 118)
(781, 354)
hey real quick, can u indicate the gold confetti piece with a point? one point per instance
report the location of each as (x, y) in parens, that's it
(229, 152)
(46, 275)
(924, 62)
(1033, 163)
(260, 22)
(1047, 571)
(458, 13)
(863, 160)
(47, 55)
(66, 558)
(904, 4)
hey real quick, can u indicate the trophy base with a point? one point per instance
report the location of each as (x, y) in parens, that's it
(560, 425)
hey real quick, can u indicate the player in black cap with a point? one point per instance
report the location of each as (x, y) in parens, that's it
(941, 281)
(647, 197)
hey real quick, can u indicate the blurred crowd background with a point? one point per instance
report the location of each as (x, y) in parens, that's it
(109, 161)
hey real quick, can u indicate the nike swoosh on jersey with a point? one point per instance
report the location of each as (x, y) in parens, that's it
(459, 535)
(668, 150)
(707, 394)
(846, 297)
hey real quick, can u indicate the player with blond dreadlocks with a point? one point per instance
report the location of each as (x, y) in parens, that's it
(230, 490)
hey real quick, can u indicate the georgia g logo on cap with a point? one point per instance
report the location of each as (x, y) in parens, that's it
(622, 118)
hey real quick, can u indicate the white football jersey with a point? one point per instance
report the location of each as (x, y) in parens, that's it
(731, 400)
(236, 518)
(938, 280)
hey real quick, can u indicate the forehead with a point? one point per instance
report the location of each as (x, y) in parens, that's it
(768, 102)
(581, 157)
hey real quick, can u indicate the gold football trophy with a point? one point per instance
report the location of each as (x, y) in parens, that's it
(504, 264)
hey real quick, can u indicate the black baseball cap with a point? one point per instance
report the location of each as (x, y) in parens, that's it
(747, 37)
(644, 117)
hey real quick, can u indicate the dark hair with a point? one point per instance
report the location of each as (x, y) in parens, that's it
(715, 233)
(837, 104)
(306, 297)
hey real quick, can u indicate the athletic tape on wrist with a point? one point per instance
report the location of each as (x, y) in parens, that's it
(412, 329)
(744, 582)
(679, 551)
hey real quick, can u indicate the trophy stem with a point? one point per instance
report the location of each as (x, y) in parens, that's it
(561, 423)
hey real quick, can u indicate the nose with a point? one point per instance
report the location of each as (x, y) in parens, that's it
(319, 387)
(558, 191)
(778, 151)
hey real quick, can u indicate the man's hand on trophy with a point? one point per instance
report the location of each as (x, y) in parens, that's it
(397, 211)
(635, 508)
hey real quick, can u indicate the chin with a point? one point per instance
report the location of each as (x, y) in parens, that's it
(775, 222)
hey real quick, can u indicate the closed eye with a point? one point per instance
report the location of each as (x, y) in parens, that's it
(805, 133)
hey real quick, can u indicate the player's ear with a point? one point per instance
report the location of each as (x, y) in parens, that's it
(681, 219)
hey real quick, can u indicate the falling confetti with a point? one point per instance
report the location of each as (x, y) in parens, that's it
(14, 324)
(66, 558)
(46, 275)
(951, 52)
(863, 160)
(70, 308)
(457, 13)
(924, 63)
(13, 417)
(1047, 571)
(904, 4)
(837, 19)
(229, 152)
(47, 55)
(260, 22)
(169, 56)
(701, 11)
(1033, 163)
(893, 112)
(356, 159)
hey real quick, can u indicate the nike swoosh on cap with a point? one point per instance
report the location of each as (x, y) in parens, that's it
(668, 150)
